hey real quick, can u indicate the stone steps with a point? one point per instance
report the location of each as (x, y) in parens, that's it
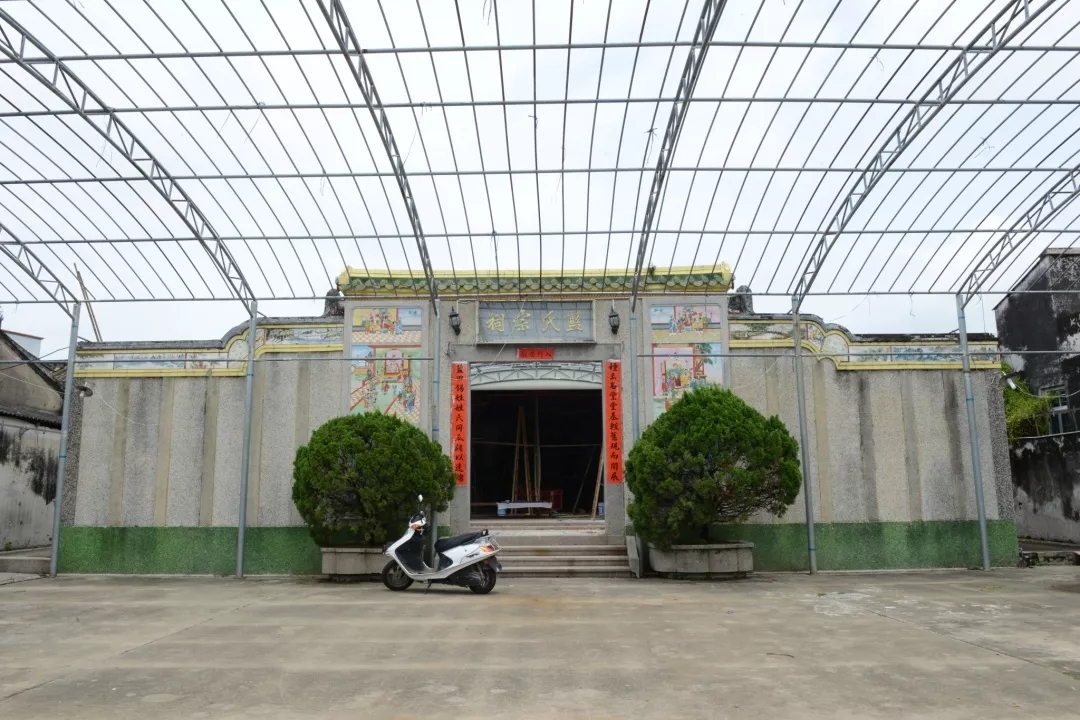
(574, 561)
(32, 561)
(545, 533)
(539, 524)
(562, 550)
(567, 571)
(548, 539)
(558, 549)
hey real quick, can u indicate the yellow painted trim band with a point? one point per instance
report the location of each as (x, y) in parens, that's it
(221, 355)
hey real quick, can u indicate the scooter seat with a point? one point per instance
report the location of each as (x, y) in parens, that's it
(444, 544)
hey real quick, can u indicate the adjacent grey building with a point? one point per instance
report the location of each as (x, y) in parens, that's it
(30, 405)
(1039, 335)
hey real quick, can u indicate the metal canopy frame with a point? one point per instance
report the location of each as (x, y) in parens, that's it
(19, 45)
(350, 47)
(838, 149)
(1006, 25)
(695, 61)
(27, 260)
(250, 126)
(1022, 232)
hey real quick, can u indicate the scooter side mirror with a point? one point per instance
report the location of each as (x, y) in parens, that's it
(420, 498)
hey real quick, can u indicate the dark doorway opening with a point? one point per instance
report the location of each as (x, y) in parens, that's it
(509, 424)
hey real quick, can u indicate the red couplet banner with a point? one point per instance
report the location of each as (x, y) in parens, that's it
(535, 353)
(613, 440)
(459, 420)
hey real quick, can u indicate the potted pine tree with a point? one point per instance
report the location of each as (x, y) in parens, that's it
(355, 484)
(709, 459)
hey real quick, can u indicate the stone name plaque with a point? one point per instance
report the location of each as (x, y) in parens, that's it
(536, 322)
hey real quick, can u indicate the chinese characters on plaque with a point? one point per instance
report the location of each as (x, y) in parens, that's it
(613, 429)
(459, 421)
(535, 322)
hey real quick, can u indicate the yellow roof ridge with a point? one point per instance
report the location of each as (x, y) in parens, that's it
(352, 272)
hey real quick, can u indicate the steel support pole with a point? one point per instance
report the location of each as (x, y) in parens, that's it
(433, 523)
(635, 418)
(804, 436)
(245, 460)
(635, 421)
(65, 425)
(969, 399)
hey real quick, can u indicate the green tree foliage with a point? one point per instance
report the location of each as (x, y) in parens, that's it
(1026, 414)
(710, 458)
(356, 481)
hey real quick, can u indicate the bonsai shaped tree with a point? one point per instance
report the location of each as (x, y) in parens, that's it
(710, 458)
(356, 481)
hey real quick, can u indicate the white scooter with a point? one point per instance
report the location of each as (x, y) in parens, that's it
(466, 560)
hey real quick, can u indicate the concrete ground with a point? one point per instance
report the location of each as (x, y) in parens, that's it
(913, 645)
(6, 577)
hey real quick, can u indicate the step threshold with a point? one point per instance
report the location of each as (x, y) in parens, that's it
(537, 550)
(575, 569)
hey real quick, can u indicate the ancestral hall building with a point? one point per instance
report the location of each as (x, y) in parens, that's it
(535, 387)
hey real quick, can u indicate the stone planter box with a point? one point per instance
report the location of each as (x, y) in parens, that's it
(353, 562)
(716, 560)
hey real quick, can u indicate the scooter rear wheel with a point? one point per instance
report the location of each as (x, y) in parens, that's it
(395, 578)
(487, 583)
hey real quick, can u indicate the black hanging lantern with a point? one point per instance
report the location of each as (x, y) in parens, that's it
(613, 320)
(455, 321)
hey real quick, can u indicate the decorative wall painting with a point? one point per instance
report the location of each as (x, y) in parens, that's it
(385, 373)
(686, 341)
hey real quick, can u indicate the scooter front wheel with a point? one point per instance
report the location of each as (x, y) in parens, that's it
(395, 578)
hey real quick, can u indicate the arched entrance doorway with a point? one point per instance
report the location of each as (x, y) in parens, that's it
(537, 436)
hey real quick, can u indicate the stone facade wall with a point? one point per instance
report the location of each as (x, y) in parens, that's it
(166, 451)
(159, 447)
(885, 445)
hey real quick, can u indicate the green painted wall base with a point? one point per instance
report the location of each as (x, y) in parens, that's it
(187, 550)
(877, 546)
(291, 551)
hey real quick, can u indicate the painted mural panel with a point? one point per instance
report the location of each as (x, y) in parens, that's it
(683, 339)
(385, 372)
(319, 335)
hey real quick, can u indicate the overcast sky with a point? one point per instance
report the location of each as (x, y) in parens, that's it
(316, 163)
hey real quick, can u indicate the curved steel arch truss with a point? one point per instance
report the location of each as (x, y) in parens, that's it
(27, 260)
(346, 39)
(695, 61)
(19, 45)
(1033, 221)
(1004, 27)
